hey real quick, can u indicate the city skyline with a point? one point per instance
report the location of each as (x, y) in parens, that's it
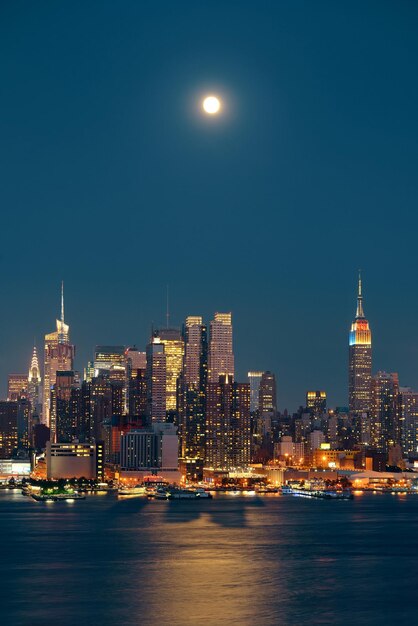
(83, 356)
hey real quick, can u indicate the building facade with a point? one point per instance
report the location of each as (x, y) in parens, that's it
(221, 355)
(192, 398)
(173, 343)
(156, 375)
(228, 432)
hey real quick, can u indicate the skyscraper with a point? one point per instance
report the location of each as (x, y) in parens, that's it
(156, 381)
(409, 420)
(267, 402)
(59, 355)
(254, 378)
(136, 392)
(173, 343)
(385, 411)
(221, 356)
(192, 398)
(8, 428)
(228, 437)
(63, 419)
(34, 382)
(360, 361)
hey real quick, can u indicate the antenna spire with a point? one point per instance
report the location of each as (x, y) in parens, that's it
(359, 312)
(167, 315)
(62, 301)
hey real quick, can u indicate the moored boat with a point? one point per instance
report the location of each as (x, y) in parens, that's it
(138, 490)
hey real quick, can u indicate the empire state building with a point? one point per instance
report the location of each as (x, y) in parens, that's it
(360, 361)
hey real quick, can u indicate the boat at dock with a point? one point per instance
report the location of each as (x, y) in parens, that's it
(57, 497)
(175, 493)
(324, 494)
(138, 490)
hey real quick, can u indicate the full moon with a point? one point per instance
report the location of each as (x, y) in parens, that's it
(211, 105)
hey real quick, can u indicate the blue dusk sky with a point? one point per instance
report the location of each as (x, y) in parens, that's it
(113, 180)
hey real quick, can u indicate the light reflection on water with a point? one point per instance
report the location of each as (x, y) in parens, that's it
(242, 560)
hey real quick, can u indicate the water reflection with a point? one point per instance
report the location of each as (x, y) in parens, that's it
(244, 561)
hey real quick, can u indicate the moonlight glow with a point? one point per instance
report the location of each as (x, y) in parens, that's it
(211, 105)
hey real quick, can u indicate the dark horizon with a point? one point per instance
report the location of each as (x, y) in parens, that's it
(116, 183)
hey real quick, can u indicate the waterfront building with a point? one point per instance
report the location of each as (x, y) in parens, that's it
(34, 382)
(385, 411)
(221, 356)
(254, 378)
(17, 387)
(192, 398)
(228, 436)
(316, 402)
(8, 428)
(151, 450)
(15, 468)
(75, 460)
(156, 381)
(58, 356)
(173, 343)
(325, 458)
(360, 361)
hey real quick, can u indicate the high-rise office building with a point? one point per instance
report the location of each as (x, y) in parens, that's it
(34, 382)
(173, 343)
(58, 356)
(17, 387)
(316, 402)
(156, 381)
(360, 361)
(267, 403)
(108, 357)
(385, 421)
(228, 433)
(136, 388)
(192, 398)
(221, 356)
(63, 413)
(254, 378)
(8, 428)
(24, 424)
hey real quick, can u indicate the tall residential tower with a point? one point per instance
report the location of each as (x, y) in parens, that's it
(221, 356)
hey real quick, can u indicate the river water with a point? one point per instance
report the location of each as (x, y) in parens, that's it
(273, 560)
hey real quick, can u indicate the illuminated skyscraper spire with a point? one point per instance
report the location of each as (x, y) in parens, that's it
(62, 328)
(34, 381)
(34, 372)
(58, 356)
(360, 360)
(359, 312)
(62, 301)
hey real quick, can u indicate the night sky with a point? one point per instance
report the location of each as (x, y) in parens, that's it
(113, 180)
